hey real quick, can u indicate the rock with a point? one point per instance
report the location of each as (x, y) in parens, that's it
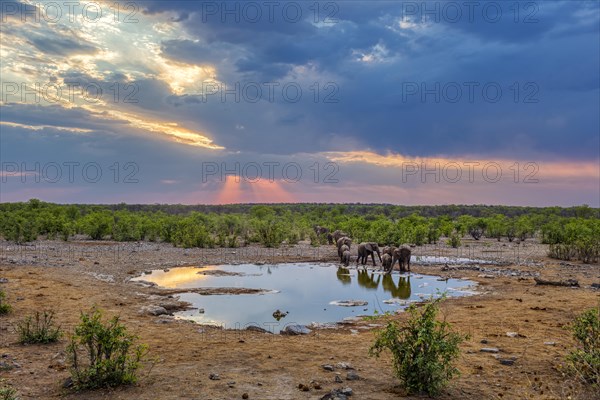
(4, 366)
(342, 365)
(595, 285)
(3, 280)
(67, 383)
(245, 396)
(484, 341)
(489, 350)
(512, 334)
(487, 276)
(352, 376)
(231, 384)
(153, 310)
(338, 379)
(303, 387)
(506, 361)
(278, 314)
(327, 367)
(567, 283)
(550, 343)
(346, 391)
(201, 311)
(335, 394)
(295, 330)
(255, 328)
(349, 303)
(214, 377)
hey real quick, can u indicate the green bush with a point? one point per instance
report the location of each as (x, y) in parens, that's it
(7, 392)
(584, 362)
(38, 329)
(423, 349)
(103, 354)
(4, 306)
(454, 240)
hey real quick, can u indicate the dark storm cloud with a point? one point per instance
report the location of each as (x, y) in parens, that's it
(543, 58)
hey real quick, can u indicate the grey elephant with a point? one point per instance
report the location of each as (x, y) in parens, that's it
(343, 241)
(330, 238)
(402, 255)
(388, 250)
(343, 248)
(320, 230)
(386, 262)
(366, 249)
(338, 234)
(346, 257)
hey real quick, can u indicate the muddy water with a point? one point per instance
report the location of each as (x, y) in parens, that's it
(306, 292)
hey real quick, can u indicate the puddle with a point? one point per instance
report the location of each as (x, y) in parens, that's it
(310, 293)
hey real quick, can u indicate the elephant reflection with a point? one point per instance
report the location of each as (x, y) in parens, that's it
(367, 280)
(343, 274)
(399, 291)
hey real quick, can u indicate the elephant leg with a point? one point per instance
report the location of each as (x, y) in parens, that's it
(373, 258)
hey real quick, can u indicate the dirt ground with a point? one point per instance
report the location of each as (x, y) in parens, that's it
(72, 277)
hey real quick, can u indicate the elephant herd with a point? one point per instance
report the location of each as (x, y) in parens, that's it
(388, 260)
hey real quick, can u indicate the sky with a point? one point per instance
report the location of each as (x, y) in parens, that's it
(201, 102)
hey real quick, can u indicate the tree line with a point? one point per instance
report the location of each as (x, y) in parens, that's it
(572, 233)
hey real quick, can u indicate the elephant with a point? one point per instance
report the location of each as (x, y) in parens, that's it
(346, 257)
(402, 255)
(386, 261)
(366, 249)
(343, 249)
(388, 250)
(338, 234)
(322, 231)
(343, 241)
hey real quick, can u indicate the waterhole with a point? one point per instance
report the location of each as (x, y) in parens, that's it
(303, 293)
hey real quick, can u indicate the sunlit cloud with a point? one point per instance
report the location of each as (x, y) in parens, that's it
(41, 127)
(547, 169)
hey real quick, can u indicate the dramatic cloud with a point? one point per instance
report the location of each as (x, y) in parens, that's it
(176, 87)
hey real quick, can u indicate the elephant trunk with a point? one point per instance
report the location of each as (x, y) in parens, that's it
(379, 255)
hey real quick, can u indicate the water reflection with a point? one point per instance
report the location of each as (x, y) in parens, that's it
(367, 280)
(399, 291)
(343, 275)
(397, 286)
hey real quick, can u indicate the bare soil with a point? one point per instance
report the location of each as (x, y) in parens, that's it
(72, 277)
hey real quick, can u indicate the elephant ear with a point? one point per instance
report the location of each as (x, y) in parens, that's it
(369, 246)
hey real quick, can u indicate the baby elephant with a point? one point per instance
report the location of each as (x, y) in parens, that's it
(346, 257)
(343, 248)
(386, 261)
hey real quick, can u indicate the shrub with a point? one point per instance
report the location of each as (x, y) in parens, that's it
(454, 240)
(7, 392)
(423, 350)
(38, 329)
(103, 355)
(4, 306)
(584, 362)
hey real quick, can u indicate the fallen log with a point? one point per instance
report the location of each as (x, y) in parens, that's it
(568, 282)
